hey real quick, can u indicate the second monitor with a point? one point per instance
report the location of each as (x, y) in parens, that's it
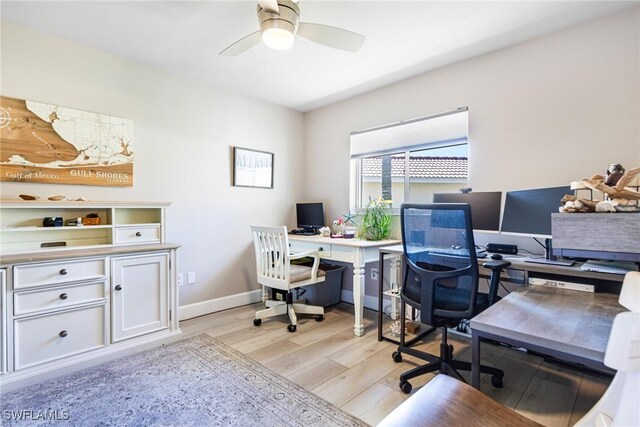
(485, 207)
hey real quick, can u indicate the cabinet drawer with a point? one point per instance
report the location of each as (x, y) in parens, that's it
(134, 235)
(40, 339)
(324, 249)
(25, 276)
(60, 297)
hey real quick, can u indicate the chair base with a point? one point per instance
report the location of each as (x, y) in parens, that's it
(443, 364)
(277, 308)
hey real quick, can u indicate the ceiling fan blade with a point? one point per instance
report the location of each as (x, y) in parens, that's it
(270, 6)
(335, 37)
(242, 45)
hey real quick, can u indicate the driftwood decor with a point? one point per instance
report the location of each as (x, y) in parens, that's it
(620, 194)
(49, 144)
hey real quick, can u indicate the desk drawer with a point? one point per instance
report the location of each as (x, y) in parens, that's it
(32, 275)
(46, 338)
(57, 298)
(137, 235)
(324, 249)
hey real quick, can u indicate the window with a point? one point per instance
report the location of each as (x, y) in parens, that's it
(409, 161)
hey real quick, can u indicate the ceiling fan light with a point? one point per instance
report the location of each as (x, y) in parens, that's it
(278, 38)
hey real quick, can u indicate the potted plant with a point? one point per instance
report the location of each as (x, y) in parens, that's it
(376, 220)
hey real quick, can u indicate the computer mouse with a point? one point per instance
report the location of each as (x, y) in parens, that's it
(496, 256)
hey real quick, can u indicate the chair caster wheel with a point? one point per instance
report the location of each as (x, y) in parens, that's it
(496, 381)
(397, 356)
(405, 387)
(319, 317)
(257, 322)
(291, 328)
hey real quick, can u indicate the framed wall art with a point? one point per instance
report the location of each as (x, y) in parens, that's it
(50, 144)
(252, 168)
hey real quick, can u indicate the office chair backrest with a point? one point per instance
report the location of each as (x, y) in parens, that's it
(271, 246)
(439, 257)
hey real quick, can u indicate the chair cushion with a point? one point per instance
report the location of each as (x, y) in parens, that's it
(301, 272)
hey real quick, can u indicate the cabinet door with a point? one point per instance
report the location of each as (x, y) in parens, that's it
(139, 291)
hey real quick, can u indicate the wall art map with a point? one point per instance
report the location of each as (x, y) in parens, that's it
(49, 144)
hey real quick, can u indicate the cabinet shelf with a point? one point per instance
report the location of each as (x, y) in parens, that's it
(121, 223)
(63, 228)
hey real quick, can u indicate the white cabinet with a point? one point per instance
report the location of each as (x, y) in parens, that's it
(3, 320)
(139, 302)
(72, 295)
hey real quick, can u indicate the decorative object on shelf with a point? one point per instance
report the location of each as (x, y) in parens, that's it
(395, 328)
(338, 226)
(56, 197)
(74, 222)
(620, 192)
(376, 220)
(50, 144)
(28, 197)
(91, 219)
(324, 231)
(51, 221)
(252, 168)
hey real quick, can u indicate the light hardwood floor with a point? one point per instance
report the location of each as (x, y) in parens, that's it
(358, 374)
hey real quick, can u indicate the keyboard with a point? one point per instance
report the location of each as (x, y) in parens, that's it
(300, 232)
(566, 263)
(460, 252)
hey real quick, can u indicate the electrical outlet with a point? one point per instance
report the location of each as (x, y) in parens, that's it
(191, 278)
(181, 279)
(374, 274)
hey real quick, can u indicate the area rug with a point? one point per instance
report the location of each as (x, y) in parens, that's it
(195, 382)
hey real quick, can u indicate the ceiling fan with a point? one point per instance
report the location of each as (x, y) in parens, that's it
(279, 26)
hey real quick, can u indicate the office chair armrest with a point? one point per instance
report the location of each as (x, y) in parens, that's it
(496, 268)
(316, 261)
(496, 265)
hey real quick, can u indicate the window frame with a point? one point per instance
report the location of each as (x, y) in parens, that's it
(355, 193)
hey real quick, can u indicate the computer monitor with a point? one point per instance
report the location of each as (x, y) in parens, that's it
(529, 212)
(485, 207)
(310, 215)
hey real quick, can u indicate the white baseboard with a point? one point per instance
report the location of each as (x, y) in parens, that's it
(369, 301)
(201, 308)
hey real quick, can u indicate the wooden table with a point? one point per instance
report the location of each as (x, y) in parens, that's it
(353, 251)
(446, 402)
(570, 325)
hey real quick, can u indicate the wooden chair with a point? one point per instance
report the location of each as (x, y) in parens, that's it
(274, 269)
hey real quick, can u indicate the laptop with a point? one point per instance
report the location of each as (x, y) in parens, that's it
(612, 267)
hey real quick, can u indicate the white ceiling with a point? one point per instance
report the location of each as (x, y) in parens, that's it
(403, 39)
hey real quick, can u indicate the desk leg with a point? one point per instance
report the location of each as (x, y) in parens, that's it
(358, 291)
(394, 281)
(475, 360)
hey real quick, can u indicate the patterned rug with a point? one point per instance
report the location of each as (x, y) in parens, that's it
(196, 382)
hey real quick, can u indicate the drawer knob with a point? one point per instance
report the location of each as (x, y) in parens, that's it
(320, 249)
(63, 271)
(64, 296)
(118, 288)
(138, 234)
(63, 334)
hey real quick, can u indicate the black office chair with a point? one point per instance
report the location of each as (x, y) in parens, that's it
(441, 280)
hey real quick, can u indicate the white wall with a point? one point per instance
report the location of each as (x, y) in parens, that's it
(183, 135)
(542, 113)
(545, 112)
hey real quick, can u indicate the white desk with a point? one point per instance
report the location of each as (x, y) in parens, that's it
(353, 251)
